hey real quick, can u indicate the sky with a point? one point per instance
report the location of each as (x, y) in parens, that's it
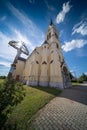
(28, 20)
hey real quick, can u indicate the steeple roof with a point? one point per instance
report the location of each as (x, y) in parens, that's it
(51, 22)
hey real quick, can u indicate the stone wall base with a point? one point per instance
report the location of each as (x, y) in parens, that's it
(69, 84)
(32, 83)
(59, 85)
(44, 83)
(56, 85)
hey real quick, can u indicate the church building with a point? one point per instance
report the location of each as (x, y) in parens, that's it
(45, 66)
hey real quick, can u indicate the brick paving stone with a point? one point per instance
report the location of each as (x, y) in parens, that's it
(66, 112)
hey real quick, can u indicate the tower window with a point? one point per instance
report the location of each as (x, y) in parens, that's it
(57, 46)
(47, 37)
(50, 35)
(51, 61)
(56, 35)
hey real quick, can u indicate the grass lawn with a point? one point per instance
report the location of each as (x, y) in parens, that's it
(36, 98)
(75, 83)
(2, 81)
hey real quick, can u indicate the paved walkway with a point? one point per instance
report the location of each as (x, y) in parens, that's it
(66, 112)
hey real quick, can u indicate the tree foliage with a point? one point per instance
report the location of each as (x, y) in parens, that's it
(2, 77)
(11, 93)
(83, 77)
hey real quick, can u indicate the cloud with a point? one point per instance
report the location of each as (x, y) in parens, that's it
(34, 34)
(32, 1)
(6, 64)
(85, 73)
(61, 33)
(61, 15)
(21, 16)
(50, 7)
(4, 49)
(81, 28)
(23, 38)
(3, 18)
(76, 43)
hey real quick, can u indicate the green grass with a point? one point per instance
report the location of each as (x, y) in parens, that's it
(35, 99)
(75, 83)
(2, 81)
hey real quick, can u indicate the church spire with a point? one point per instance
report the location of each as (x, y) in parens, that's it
(51, 22)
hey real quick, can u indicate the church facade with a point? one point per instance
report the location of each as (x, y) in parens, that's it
(45, 66)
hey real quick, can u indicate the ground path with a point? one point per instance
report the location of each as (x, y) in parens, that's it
(66, 112)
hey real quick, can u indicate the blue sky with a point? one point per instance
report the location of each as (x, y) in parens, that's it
(28, 20)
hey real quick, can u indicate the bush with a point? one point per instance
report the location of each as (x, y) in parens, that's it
(2, 77)
(80, 81)
(11, 93)
(74, 80)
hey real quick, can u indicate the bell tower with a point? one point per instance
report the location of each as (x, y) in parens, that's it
(52, 35)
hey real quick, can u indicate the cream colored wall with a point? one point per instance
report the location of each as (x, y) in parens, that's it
(31, 71)
(43, 72)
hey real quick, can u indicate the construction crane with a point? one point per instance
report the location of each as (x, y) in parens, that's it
(21, 48)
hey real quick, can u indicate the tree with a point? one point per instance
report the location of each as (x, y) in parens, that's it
(11, 93)
(83, 77)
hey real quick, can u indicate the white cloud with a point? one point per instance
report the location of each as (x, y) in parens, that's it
(76, 43)
(50, 7)
(32, 1)
(4, 63)
(34, 34)
(21, 16)
(61, 33)
(85, 73)
(3, 18)
(24, 39)
(61, 15)
(81, 28)
(4, 48)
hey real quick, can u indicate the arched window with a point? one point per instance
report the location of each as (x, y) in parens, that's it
(47, 37)
(57, 45)
(56, 35)
(50, 35)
